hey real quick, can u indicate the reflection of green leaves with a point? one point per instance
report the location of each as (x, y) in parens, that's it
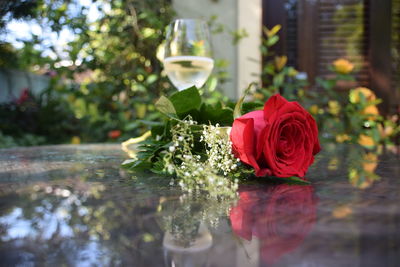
(185, 63)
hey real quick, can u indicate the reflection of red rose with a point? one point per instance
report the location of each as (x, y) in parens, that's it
(279, 216)
(280, 140)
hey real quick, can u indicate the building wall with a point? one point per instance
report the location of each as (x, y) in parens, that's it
(13, 82)
(244, 59)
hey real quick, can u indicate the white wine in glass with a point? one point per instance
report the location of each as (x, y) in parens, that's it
(187, 60)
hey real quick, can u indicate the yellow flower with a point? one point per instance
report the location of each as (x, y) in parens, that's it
(354, 95)
(280, 62)
(372, 111)
(343, 66)
(370, 162)
(366, 140)
(342, 212)
(365, 184)
(334, 107)
(333, 164)
(314, 109)
(340, 138)
(75, 140)
(354, 178)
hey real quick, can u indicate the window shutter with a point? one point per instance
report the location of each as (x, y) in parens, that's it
(341, 34)
(396, 45)
(366, 32)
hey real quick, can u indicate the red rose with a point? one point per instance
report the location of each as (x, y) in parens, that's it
(279, 216)
(280, 140)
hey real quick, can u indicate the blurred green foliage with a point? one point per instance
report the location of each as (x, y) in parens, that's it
(36, 120)
(276, 76)
(105, 79)
(108, 76)
(344, 111)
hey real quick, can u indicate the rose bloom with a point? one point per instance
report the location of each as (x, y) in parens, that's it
(372, 112)
(354, 94)
(24, 96)
(280, 140)
(343, 66)
(280, 217)
(366, 140)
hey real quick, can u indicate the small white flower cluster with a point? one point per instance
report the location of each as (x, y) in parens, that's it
(219, 149)
(181, 148)
(194, 173)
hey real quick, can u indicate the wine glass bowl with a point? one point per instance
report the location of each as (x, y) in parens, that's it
(187, 59)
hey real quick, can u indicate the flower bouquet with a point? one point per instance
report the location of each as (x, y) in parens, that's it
(212, 146)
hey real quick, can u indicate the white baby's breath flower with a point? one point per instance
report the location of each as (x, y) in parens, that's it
(194, 171)
(218, 148)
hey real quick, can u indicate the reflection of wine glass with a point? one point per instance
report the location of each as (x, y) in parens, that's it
(178, 253)
(187, 59)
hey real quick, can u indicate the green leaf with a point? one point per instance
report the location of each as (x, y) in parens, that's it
(251, 106)
(157, 130)
(273, 31)
(135, 164)
(151, 79)
(291, 180)
(216, 114)
(237, 112)
(149, 123)
(278, 79)
(273, 40)
(186, 100)
(165, 106)
(269, 69)
(158, 167)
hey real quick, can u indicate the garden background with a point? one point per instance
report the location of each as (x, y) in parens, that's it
(98, 65)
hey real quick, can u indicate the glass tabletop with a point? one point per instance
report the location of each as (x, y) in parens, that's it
(73, 205)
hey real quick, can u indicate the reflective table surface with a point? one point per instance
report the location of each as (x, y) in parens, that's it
(75, 206)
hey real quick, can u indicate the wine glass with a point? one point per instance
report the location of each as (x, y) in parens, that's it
(187, 58)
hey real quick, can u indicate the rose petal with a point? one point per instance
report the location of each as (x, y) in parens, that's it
(273, 104)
